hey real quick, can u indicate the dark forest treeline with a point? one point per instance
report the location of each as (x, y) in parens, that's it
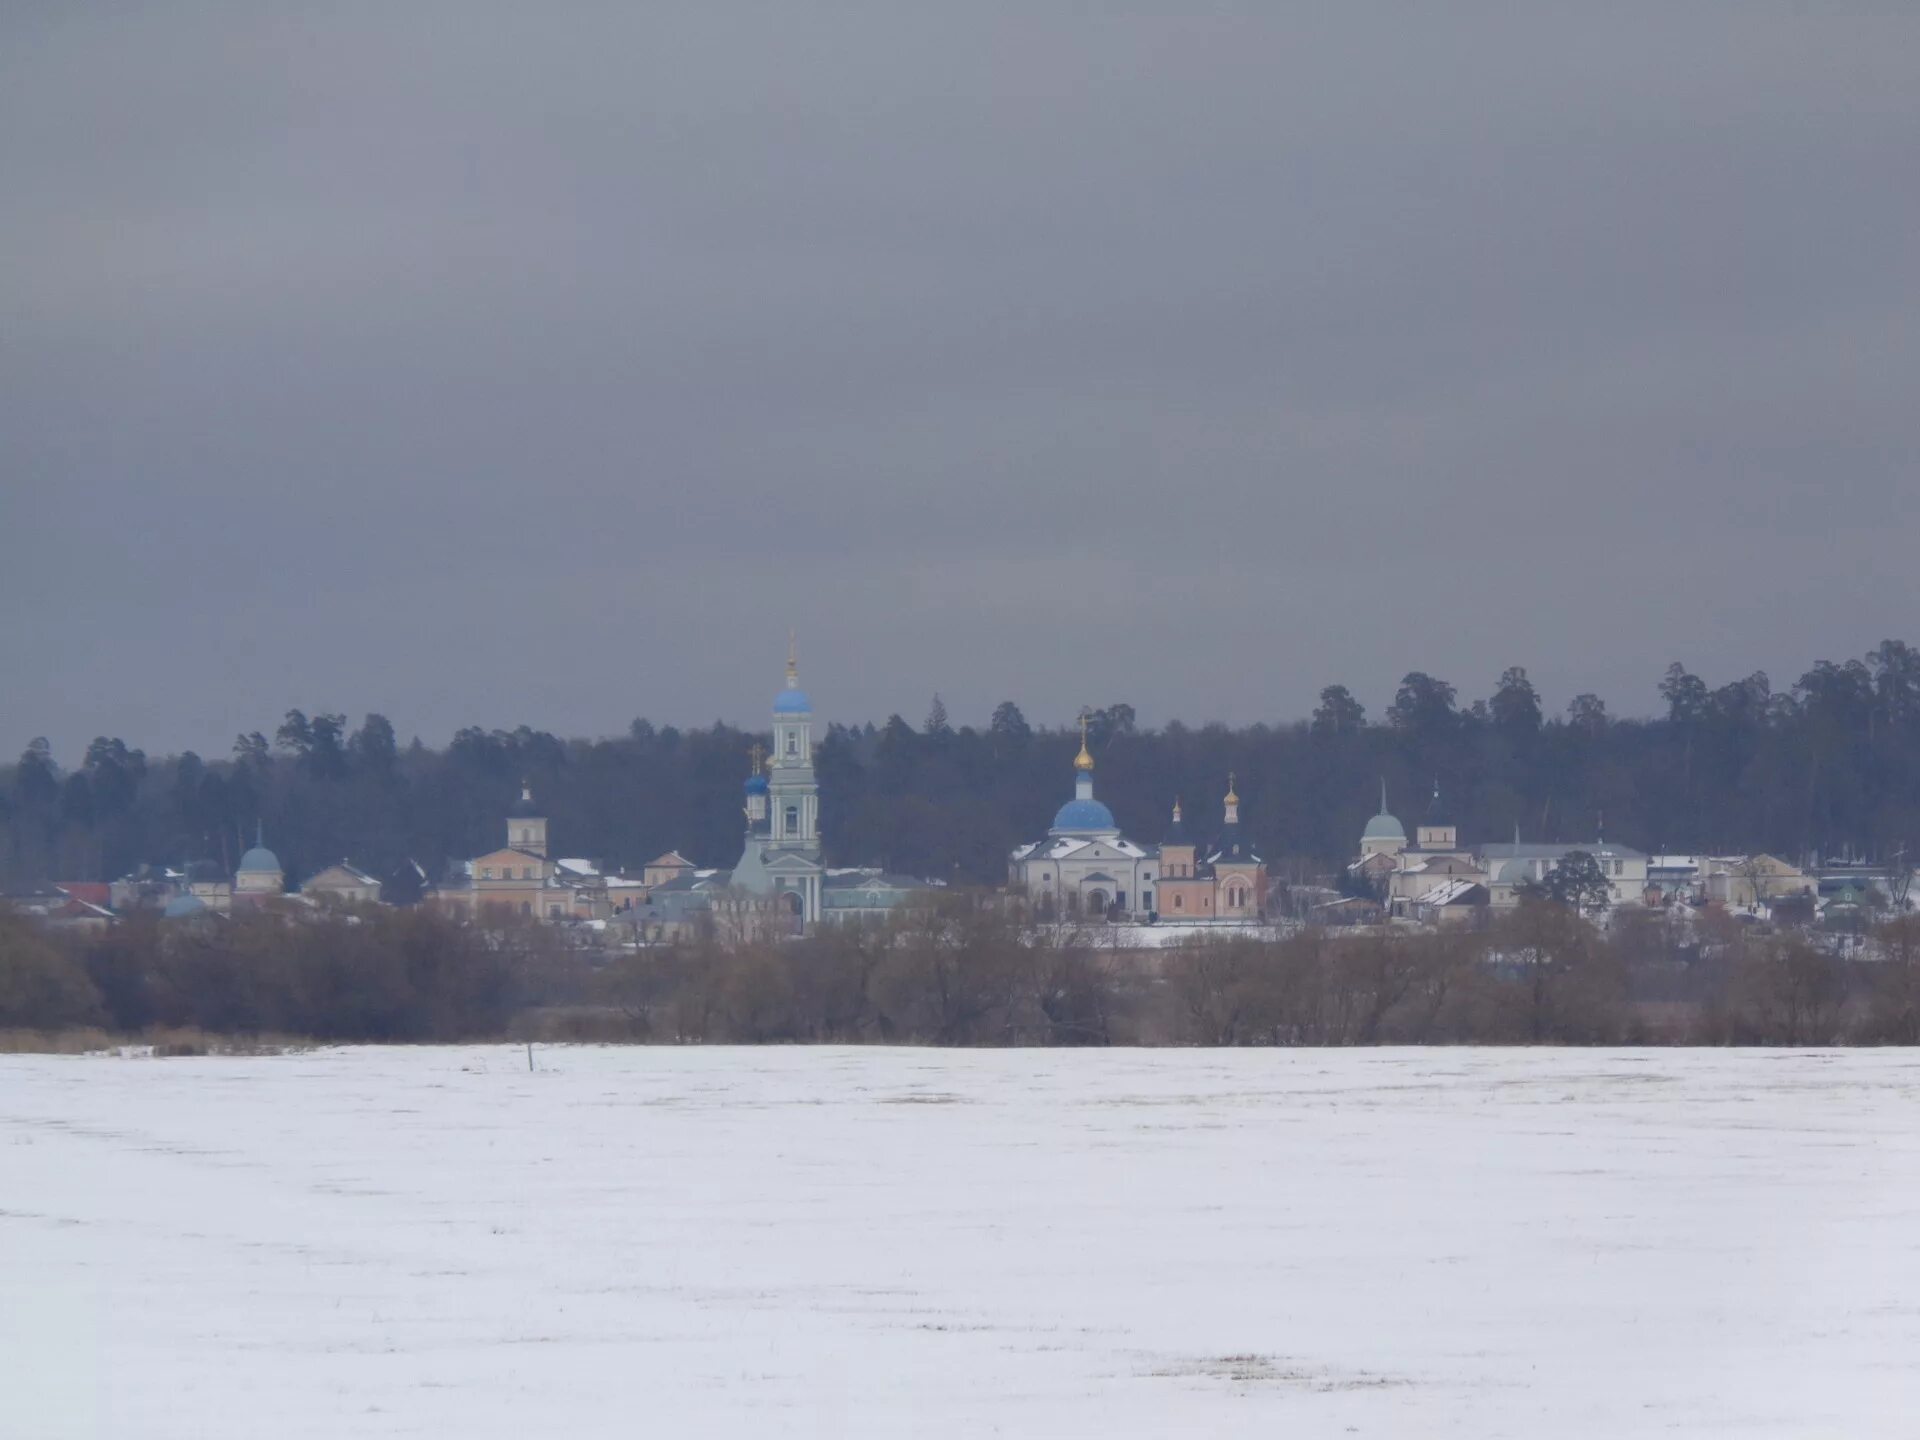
(1830, 763)
(963, 968)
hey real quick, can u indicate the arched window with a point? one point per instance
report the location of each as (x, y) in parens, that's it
(793, 820)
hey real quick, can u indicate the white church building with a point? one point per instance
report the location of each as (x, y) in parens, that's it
(1085, 866)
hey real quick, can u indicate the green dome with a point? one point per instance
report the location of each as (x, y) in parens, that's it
(259, 861)
(1384, 827)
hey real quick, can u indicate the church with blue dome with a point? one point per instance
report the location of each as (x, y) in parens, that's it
(1085, 866)
(780, 862)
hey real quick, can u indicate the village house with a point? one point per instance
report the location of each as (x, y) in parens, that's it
(342, 883)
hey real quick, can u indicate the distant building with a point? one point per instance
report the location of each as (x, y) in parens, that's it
(780, 885)
(521, 879)
(1384, 835)
(1437, 879)
(1085, 866)
(780, 859)
(1221, 879)
(260, 877)
(70, 905)
(1752, 882)
(666, 868)
(1517, 865)
(1452, 902)
(147, 887)
(866, 893)
(1348, 910)
(211, 885)
(342, 884)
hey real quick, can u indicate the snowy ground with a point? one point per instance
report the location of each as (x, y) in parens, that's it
(920, 1243)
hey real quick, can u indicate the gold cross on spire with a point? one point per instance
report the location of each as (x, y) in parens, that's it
(1084, 760)
(793, 660)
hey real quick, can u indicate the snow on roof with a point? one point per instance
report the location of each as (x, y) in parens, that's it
(1531, 850)
(1155, 937)
(1447, 894)
(353, 872)
(578, 867)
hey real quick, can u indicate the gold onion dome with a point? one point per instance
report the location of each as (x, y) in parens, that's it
(1084, 760)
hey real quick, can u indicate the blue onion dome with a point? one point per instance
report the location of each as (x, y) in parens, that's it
(181, 907)
(792, 700)
(524, 808)
(259, 861)
(756, 784)
(1083, 815)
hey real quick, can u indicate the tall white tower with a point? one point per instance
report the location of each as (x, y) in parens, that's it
(784, 858)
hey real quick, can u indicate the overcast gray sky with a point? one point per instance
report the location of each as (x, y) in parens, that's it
(499, 364)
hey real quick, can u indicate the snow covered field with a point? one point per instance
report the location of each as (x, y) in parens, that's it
(902, 1243)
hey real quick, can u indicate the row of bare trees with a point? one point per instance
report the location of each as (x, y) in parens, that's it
(379, 974)
(965, 970)
(1544, 975)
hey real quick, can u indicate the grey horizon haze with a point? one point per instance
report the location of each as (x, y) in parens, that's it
(487, 364)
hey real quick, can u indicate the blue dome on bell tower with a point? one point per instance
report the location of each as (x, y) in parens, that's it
(792, 700)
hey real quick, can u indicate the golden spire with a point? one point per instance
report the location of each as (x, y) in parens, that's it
(1232, 799)
(759, 755)
(793, 661)
(1084, 760)
(1176, 809)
